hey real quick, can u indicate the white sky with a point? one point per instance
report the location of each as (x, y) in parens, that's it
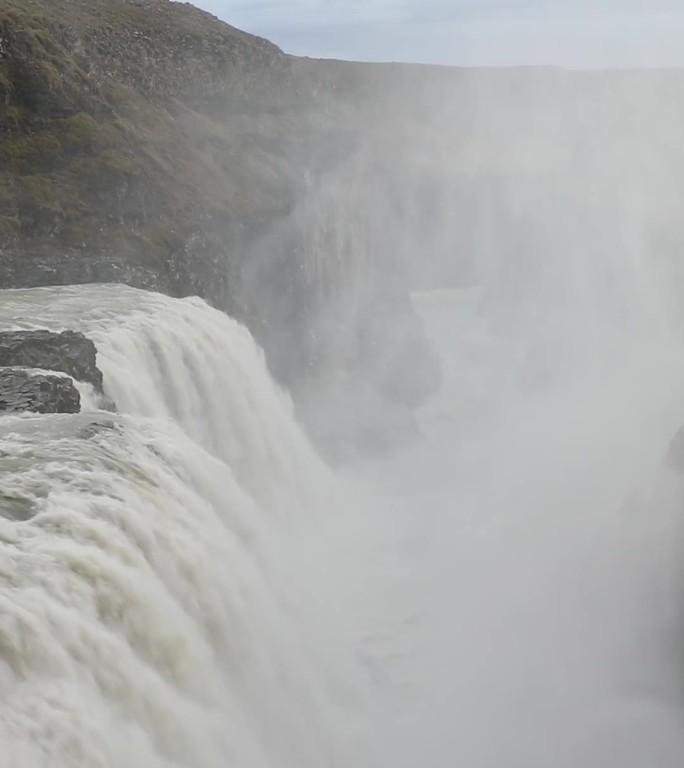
(578, 33)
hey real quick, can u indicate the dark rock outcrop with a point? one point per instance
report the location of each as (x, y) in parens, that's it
(36, 392)
(69, 352)
(27, 359)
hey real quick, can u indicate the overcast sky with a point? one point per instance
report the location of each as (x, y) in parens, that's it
(477, 32)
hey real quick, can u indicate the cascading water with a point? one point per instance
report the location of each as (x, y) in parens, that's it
(161, 568)
(184, 583)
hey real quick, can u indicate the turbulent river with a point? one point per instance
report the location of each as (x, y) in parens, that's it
(185, 583)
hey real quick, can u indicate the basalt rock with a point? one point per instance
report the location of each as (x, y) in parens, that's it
(69, 352)
(38, 393)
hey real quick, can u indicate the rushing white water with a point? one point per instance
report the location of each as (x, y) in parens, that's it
(179, 361)
(171, 589)
(184, 583)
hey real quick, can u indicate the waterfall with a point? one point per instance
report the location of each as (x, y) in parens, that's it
(169, 585)
(185, 583)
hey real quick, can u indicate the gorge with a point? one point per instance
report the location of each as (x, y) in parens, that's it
(337, 404)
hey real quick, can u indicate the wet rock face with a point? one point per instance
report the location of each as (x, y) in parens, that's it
(68, 352)
(39, 393)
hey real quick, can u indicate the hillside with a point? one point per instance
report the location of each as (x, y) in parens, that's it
(147, 142)
(113, 164)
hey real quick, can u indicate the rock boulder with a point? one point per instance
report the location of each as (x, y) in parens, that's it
(22, 390)
(68, 352)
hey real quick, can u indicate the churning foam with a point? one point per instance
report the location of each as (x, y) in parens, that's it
(168, 581)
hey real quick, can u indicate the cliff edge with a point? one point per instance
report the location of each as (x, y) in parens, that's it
(146, 142)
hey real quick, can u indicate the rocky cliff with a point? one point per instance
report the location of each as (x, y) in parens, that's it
(115, 161)
(146, 142)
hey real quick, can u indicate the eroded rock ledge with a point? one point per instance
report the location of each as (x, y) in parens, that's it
(27, 360)
(69, 352)
(22, 390)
